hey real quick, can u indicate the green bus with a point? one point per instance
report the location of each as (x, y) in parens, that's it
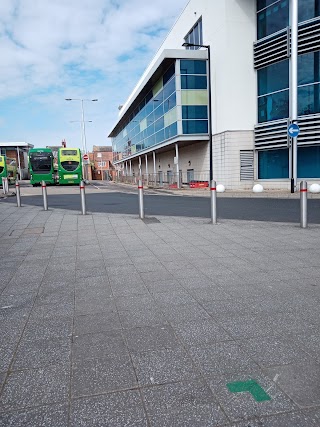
(3, 168)
(41, 166)
(69, 166)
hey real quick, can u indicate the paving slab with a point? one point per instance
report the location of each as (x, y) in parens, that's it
(172, 322)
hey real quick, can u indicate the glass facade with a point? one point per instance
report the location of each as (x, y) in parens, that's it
(155, 119)
(274, 164)
(195, 36)
(273, 16)
(273, 92)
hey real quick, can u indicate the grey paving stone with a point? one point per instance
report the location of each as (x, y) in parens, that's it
(150, 338)
(36, 387)
(299, 381)
(61, 310)
(115, 409)
(98, 322)
(41, 353)
(222, 357)
(163, 366)
(184, 404)
(44, 416)
(20, 301)
(200, 332)
(93, 302)
(143, 317)
(162, 285)
(135, 302)
(165, 299)
(57, 295)
(242, 405)
(128, 289)
(184, 313)
(98, 376)
(99, 345)
(248, 326)
(47, 328)
(297, 419)
(270, 351)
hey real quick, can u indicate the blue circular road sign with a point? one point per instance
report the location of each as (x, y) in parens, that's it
(293, 130)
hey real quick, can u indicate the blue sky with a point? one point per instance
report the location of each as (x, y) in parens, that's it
(56, 49)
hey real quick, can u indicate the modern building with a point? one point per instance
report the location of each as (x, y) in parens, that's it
(19, 152)
(247, 70)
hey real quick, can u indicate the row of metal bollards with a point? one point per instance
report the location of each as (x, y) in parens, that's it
(213, 202)
(45, 197)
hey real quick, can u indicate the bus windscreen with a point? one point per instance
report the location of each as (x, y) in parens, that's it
(69, 152)
(41, 162)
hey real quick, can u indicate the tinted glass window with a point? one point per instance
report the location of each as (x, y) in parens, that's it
(272, 19)
(309, 162)
(70, 165)
(193, 82)
(69, 152)
(168, 74)
(194, 112)
(273, 107)
(194, 126)
(273, 78)
(309, 68)
(309, 99)
(273, 164)
(308, 9)
(193, 67)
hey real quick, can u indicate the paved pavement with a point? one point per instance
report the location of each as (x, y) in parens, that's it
(107, 320)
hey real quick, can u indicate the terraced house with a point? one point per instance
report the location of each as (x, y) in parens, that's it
(229, 79)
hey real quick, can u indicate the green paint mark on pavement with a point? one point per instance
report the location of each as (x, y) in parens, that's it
(252, 387)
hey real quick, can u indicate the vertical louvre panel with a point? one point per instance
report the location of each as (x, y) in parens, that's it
(246, 165)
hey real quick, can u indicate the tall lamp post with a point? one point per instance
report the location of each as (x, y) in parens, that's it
(206, 46)
(82, 142)
(84, 139)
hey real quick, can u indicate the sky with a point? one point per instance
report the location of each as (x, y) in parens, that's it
(84, 49)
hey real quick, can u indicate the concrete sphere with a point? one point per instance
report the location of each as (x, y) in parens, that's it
(258, 188)
(221, 188)
(314, 188)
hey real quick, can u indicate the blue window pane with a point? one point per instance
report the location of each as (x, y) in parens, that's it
(158, 99)
(159, 124)
(195, 112)
(169, 88)
(194, 126)
(308, 9)
(193, 82)
(168, 74)
(309, 99)
(309, 68)
(169, 103)
(193, 67)
(159, 136)
(273, 164)
(261, 4)
(273, 107)
(273, 19)
(273, 78)
(171, 131)
(158, 112)
(309, 162)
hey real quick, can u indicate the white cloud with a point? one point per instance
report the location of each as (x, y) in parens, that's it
(52, 49)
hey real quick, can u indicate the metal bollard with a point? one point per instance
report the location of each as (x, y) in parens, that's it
(140, 191)
(303, 204)
(5, 185)
(83, 198)
(18, 194)
(213, 190)
(44, 194)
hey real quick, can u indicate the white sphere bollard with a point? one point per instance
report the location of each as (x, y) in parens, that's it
(314, 188)
(258, 188)
(221, 188)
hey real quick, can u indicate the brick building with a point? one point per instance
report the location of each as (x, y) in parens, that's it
(101, 163)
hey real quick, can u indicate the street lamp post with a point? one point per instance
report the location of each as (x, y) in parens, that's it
(82, 142)
(84, 139)
(206, 46)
